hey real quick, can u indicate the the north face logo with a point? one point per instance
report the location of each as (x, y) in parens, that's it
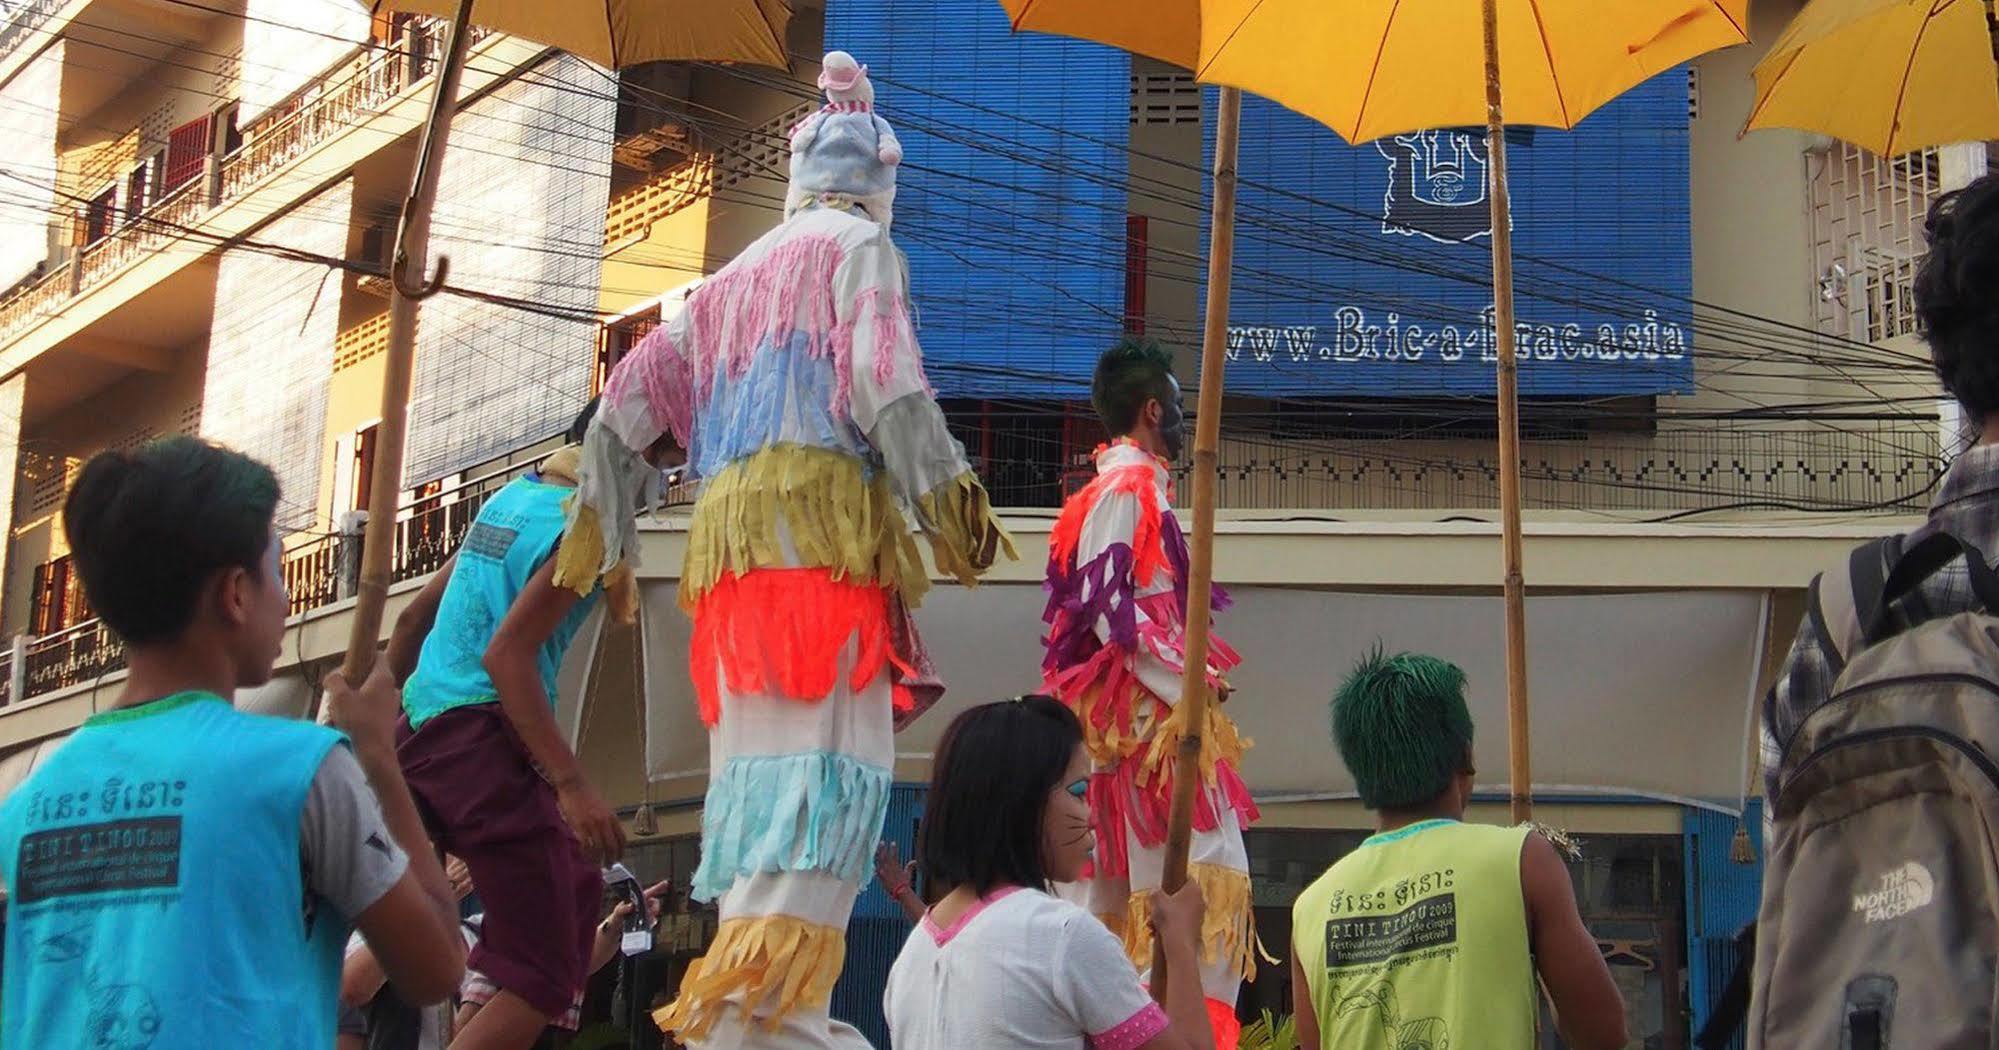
(1900, 892)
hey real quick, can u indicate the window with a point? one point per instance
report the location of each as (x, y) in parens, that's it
(1136, 237)
(98, 215)
(58, 600)
(139, 184)
(617, 339)
(187, 153)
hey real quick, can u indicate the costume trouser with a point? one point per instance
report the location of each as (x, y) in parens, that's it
(797, 794)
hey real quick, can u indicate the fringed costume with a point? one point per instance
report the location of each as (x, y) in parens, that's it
(794, 380)
(1117, 614)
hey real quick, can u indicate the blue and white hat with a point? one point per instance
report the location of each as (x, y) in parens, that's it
(844, 155)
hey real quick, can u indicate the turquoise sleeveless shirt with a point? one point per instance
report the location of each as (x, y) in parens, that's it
(155, 891)
(516, 532)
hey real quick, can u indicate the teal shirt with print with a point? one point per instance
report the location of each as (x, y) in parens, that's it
(515, 534)
(156, 888)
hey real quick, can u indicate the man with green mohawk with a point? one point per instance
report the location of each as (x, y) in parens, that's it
(1431, 933)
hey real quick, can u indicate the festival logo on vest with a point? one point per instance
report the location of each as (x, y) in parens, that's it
(1436, 186)
(1899, 892)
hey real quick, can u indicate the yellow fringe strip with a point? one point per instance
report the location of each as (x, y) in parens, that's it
(964, 535)
(1221, 741)
(1227, 932)
(835, 517)
(581, 554)
(774, 956)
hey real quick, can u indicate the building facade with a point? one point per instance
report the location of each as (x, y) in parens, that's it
(1723, 390)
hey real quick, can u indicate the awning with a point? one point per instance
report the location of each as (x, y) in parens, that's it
(1632, 694)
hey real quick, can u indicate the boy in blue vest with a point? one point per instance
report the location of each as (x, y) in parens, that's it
(180, 874)
(479, 649)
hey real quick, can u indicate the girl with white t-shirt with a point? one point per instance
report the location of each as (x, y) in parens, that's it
(1000, 963)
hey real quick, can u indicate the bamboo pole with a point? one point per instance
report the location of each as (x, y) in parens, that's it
(1194, 688)
(1519, 762)
(412, 247)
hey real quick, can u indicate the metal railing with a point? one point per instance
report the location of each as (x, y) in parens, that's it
(337, 102)
(22, 22)
(316, 575)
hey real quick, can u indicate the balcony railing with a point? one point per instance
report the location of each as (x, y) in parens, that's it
(316, 575)
(24, 20)
(335, 103)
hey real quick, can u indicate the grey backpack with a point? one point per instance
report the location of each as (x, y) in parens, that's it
(1880, 915)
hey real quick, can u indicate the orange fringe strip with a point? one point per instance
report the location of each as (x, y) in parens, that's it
(1148, 553)
(781, 632)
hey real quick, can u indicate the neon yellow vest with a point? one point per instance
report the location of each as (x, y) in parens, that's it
(1419, 939)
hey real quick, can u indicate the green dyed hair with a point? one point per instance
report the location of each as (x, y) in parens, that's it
(1402, 728)
(1133, 371)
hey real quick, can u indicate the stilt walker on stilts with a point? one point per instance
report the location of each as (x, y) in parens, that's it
(1117, 615)
(794, 379)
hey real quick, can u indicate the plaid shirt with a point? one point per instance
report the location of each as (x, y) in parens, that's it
(1967, 506)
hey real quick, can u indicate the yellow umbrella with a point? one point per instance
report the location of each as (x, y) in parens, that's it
(619, 33)
(1369, 68)
(1168, 30)
(1893, 76)
(610, 32)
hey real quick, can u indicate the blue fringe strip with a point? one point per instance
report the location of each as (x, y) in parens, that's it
(816, 811)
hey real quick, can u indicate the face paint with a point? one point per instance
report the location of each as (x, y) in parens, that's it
(1172, 423)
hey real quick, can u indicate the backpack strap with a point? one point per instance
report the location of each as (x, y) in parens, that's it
(1842, 605)
(1923, 561)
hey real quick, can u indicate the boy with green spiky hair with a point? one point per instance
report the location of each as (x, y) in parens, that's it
(1432, 931)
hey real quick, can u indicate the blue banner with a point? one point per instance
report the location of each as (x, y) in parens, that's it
(1366, 270)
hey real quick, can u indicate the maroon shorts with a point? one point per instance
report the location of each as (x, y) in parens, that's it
(484, 802)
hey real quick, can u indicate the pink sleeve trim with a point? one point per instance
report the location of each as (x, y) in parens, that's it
(1136, 1031)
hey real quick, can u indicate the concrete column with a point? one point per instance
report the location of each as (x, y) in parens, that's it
(12, 392)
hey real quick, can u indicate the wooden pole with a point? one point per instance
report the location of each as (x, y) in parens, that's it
(1520, 775)
(412, 246)
(1194, 688)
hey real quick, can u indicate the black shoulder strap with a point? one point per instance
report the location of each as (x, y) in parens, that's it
(1868, 568)
(1841, 605)
(1922, 561)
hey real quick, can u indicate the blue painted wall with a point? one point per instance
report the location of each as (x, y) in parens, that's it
(1015, 244)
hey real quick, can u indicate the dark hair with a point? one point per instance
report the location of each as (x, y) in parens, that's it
(1128, 374)
(1402, 728)
(989, 787)
(582, 424)
(1957, 309)
(150, 529)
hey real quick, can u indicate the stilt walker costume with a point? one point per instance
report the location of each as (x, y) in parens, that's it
(1117, 611)
(794, 379)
